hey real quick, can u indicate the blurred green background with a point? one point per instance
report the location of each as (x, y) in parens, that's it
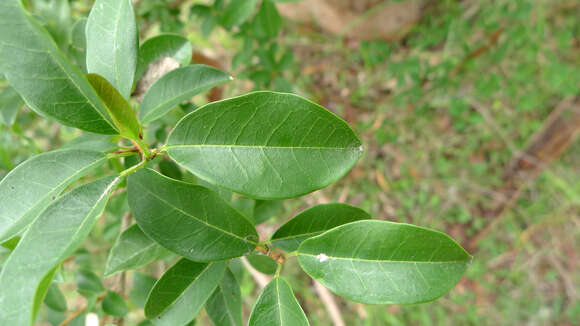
(444, 94)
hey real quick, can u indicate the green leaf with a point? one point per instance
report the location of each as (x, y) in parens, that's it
(112, 43)
(113, 304)
(118, 108)
(58, 90)
(267, 23)
(32, 185)
(10, 102)
(57, 15)
(277, 306)
(313, 222)
(182, 291)
(55, 299)
(237, 12)
(262, 263)
(224, 307)
(78, 46)
(142, 285)
(132, 250)
(189, 220)
(89, 284)
(265, 145)
(93, 142)
(379, 262)
(163, 46)
(54, 236)
(266, 209)
(177, 86)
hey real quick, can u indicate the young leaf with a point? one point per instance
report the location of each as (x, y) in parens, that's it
(55, 299)
(132, 250)
(277, 306)
(32, 185)
(10, 102)
(163, 46)
(58, 90)
(113, 304)
(53, 236)
(313, 222)
(265, 145)
(224, 307)
(182, 291)
(118, 108)
(177, 86)
(189, 220)
(379, 262)
(237, 12)
(112, 43)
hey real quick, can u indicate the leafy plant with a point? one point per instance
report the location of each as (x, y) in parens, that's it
(267, 146)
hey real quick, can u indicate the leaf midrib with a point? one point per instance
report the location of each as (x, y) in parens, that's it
(196, 218)
(61, 184)
(264, 146)
(185, 290)
(385, 261)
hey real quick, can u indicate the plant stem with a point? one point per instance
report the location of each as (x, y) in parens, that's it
(133, 169)
(142, 147)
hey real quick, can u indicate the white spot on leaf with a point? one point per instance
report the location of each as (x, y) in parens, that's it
(322, 258)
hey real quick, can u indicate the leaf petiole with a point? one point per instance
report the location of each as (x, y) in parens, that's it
(133, 169)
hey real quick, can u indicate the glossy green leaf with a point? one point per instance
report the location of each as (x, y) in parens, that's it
(89, 284)
(55, 299)
(265, 145)
(224, 307)
(112, 43)
(132, 250)
(380, 262)
(277, 306)
(313, 222)
(58, 90)
(189, 220)
(182, 291)
(52, 237)
(113, 304)
(163, 46)
(32, 185)
(78, 46)
(237, 12)
(10, 102)
(177, 86)
(118, 108)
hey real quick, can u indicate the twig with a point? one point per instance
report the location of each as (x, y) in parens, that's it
(79, 311)
(275, 255)
(329, 303)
